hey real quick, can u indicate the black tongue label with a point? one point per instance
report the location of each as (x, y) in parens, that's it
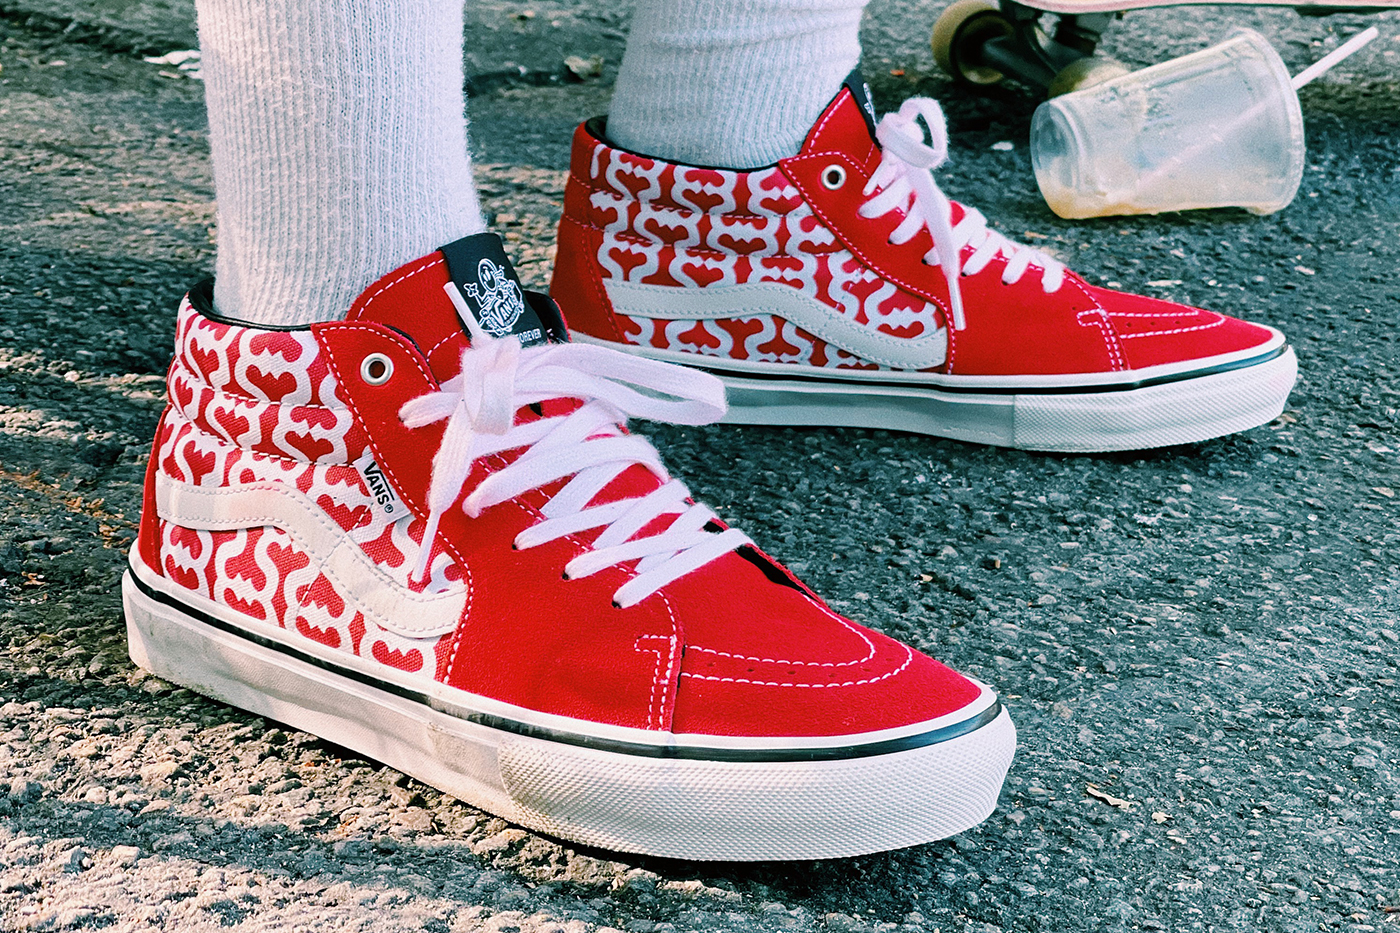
(855, 83)
(479, 267)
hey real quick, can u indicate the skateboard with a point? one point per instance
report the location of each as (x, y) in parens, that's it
(980, 42)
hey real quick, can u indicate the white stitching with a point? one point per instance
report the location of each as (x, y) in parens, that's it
(455, 646)
(827, 118)
(889, 276)
(438, 346)
(383, 465)
(952, 339)
(846, 623)
(670, 659)
(744, 657)
(657, 705)
(424, 265)
(1099, 318)
(1179, 330)
(908, 659)
(1155, 314)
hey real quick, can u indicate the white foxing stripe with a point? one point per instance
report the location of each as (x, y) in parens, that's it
(357, 578)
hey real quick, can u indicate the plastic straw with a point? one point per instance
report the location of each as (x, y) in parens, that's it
(1325, 63)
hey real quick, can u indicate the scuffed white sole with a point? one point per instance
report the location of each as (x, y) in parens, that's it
(688, 807)
(1081, 419)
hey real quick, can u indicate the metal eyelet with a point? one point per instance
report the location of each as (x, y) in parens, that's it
(833, 176)
(376, 369)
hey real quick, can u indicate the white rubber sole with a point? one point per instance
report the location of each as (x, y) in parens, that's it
(675, 807)
(1180, 409)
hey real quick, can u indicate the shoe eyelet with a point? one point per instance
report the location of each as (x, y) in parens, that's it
(376, 369)
(833, 176)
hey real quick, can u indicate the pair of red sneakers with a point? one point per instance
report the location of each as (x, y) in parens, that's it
(424, 533)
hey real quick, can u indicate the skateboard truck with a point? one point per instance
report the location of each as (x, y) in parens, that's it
(978, 42)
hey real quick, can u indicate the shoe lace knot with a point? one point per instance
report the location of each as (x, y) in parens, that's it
(904, 181)
(587, 445)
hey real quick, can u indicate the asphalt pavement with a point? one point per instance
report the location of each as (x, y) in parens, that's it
(1200, 645)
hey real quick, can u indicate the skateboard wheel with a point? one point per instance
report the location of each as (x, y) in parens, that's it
(959, 34)
(1086, 72)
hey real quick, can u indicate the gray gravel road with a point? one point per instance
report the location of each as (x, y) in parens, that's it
(1199, 644)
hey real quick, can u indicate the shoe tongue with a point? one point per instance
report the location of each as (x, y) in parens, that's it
(413, 300)
(486, 279)
(848, 122)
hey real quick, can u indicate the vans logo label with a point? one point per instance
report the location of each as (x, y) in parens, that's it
(498, 297)
(380, 489)
(479, 267)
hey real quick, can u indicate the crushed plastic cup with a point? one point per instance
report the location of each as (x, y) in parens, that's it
(1217, 128)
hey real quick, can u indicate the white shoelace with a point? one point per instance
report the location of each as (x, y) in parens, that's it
(904, 181)
(498, 378)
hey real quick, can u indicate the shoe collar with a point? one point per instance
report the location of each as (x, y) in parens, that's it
(412, 300)
(847, 125)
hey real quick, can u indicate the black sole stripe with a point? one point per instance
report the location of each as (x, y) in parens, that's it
(704, 363)
(636, 749)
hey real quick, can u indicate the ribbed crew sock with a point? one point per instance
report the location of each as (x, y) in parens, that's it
(731, 83)
(339, 147)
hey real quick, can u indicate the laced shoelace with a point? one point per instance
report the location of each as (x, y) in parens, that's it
(498, 378)
(904, 181)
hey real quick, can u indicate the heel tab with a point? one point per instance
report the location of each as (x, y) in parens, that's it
(148, 531)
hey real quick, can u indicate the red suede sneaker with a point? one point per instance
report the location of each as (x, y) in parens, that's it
(841, 287)
(422, 533)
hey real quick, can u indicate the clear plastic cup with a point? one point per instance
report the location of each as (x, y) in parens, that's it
(1216, 128)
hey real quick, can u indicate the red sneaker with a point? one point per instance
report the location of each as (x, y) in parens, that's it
(439, 547)
(841, 287)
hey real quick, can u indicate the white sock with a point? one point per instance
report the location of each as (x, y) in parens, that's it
(339, 147)
(730, 83)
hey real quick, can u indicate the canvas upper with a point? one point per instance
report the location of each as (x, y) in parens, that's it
(286, 487)
(788, 265)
